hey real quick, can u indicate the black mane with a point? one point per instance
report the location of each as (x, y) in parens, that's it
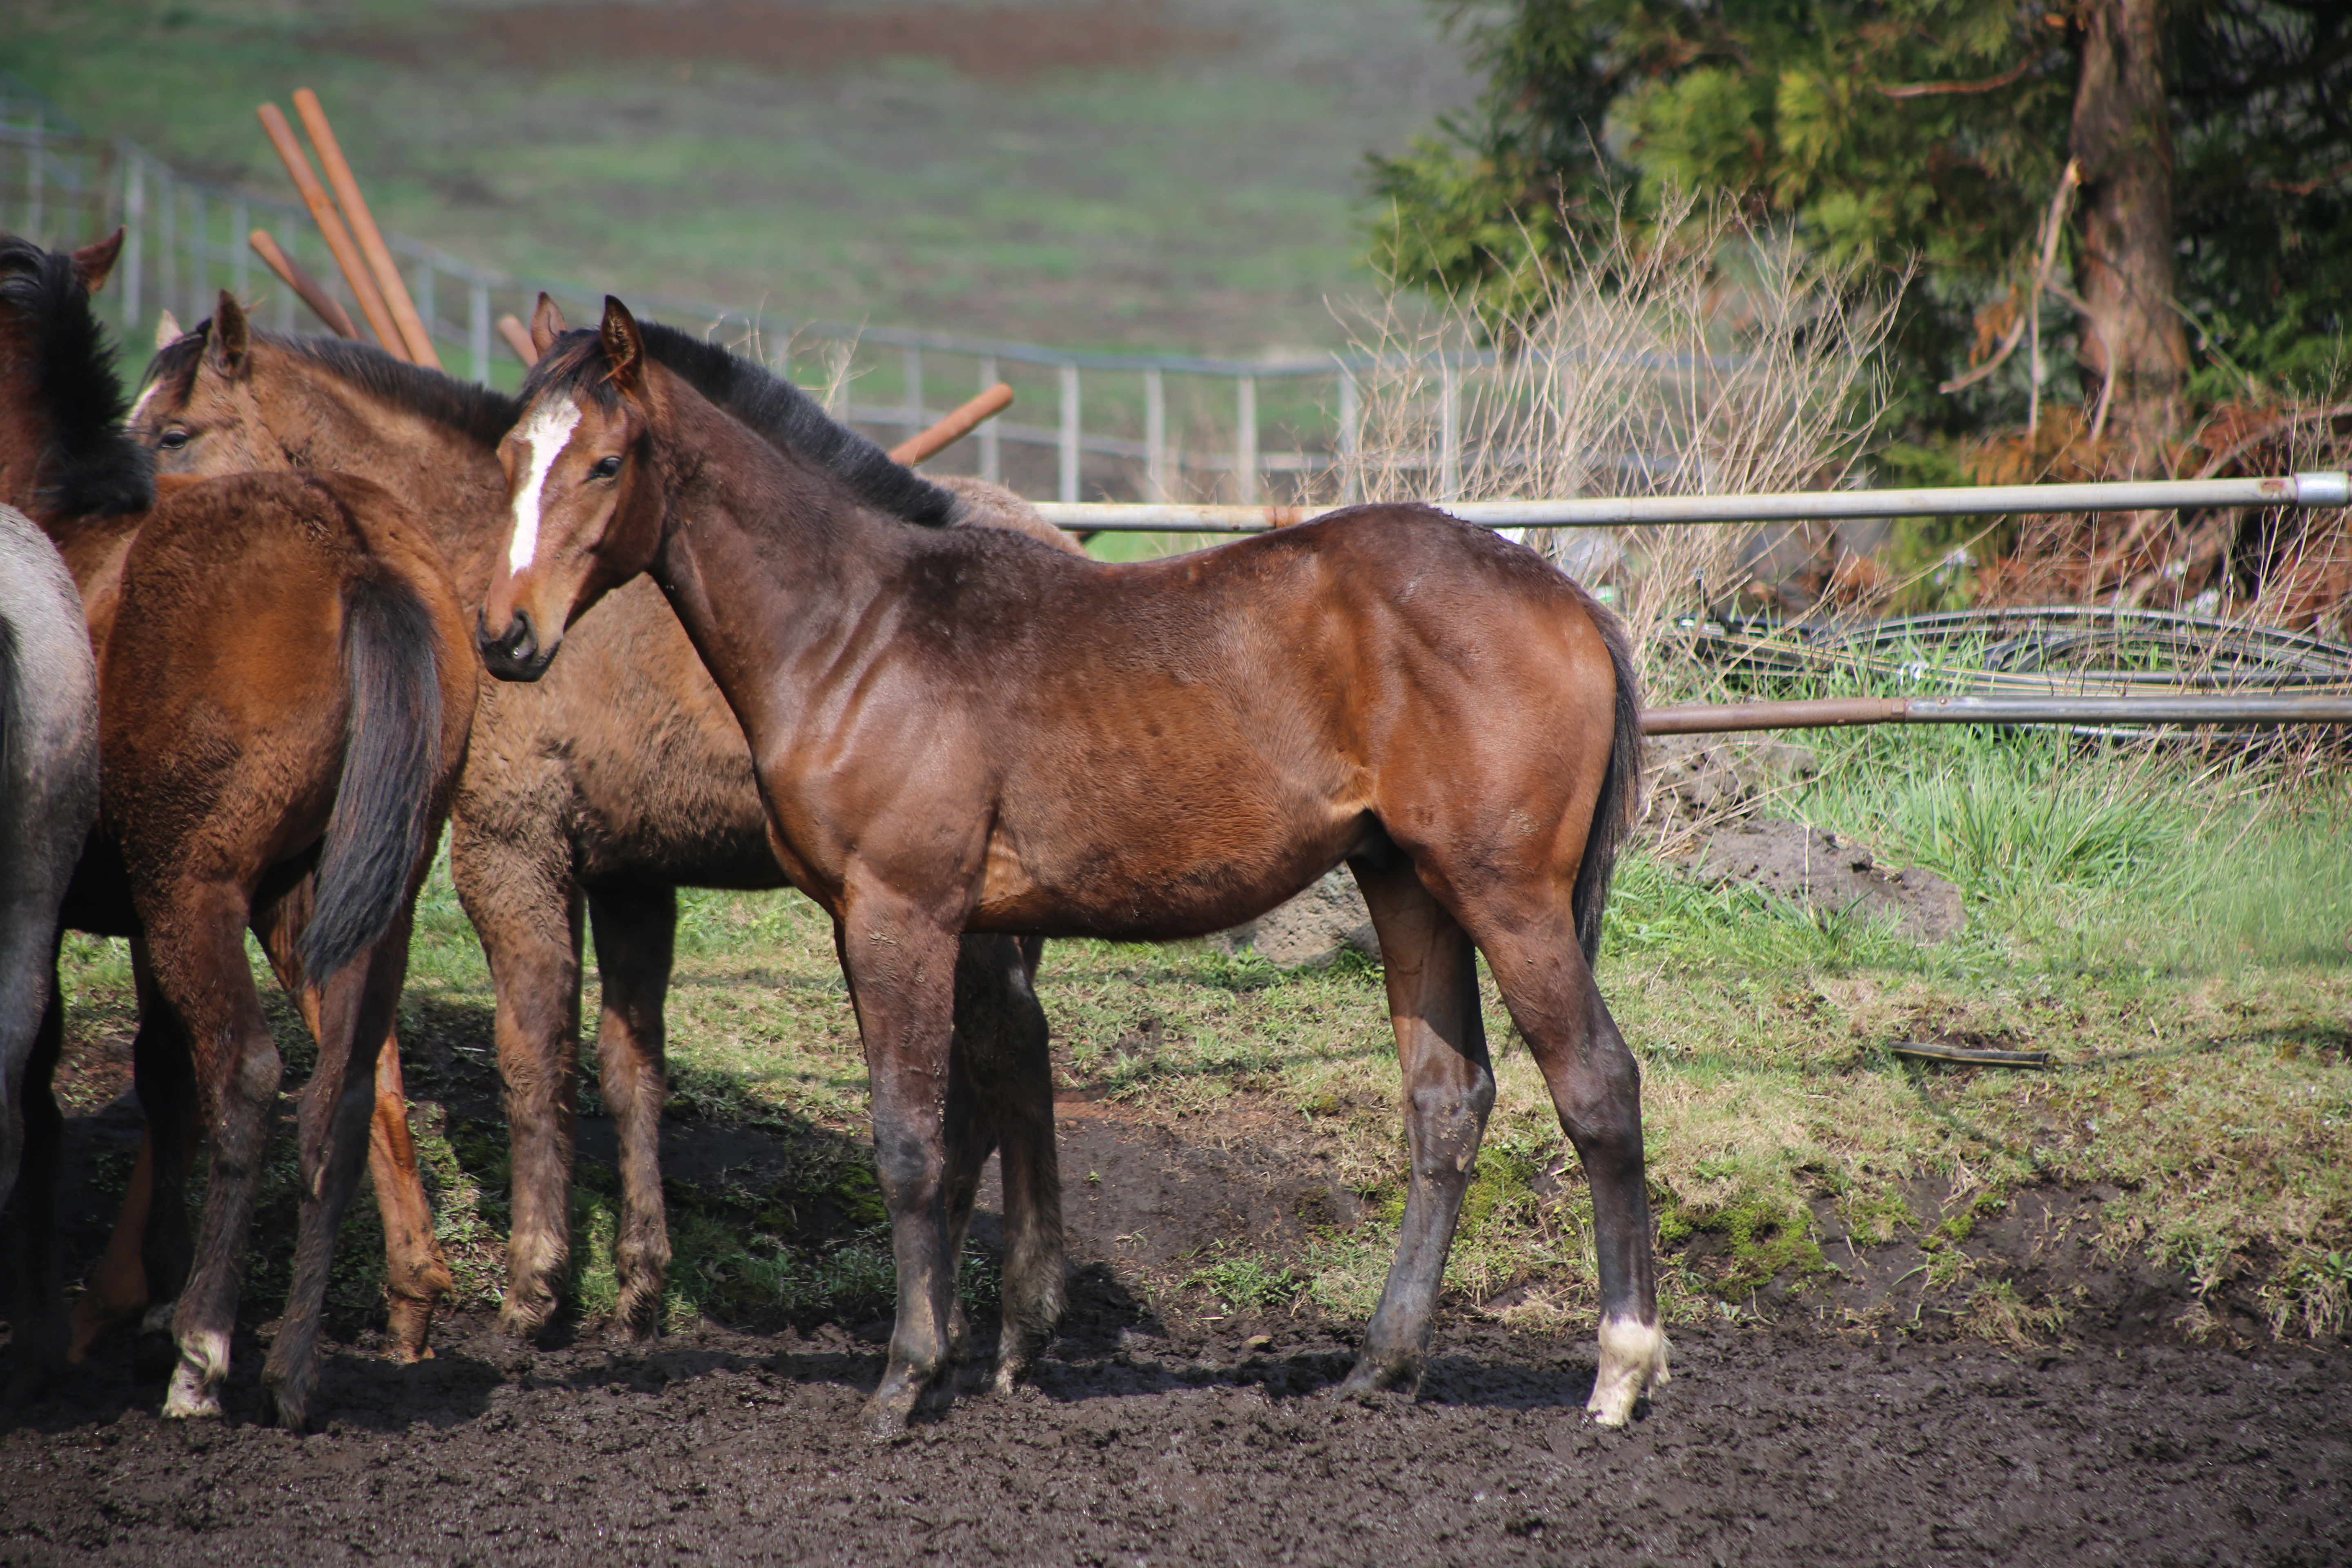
(781, 414)
(476, 411)
(94, 468)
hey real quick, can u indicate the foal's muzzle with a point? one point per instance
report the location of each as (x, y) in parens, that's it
(514, 654)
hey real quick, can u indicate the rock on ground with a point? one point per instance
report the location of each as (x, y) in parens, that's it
(1793, 861)
(1314, 929)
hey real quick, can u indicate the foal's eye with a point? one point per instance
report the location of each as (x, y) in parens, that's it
(605, 469)
(172, 440)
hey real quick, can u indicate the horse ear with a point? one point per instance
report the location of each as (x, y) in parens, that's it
(624, 347)
(229, 351)
(93, 263)
(167, 330)
(547, 325)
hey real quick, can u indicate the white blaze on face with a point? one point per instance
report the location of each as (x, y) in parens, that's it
(545, 436)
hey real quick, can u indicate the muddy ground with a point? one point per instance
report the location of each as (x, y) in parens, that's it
(1156, 1431)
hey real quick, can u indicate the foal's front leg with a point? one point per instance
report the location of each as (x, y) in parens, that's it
(900, 965)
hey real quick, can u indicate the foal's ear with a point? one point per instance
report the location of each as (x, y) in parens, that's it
(228, 350)
(168, 329)
(624, 347)
(547, 325)
(93, 263)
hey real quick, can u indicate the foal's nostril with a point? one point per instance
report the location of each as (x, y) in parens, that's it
(513, 654)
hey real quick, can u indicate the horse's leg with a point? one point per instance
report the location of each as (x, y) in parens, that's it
(901, 969)
(527, 911)
(197, 941)
(1000, 1037)
(163, 1073)
(355, 1013)
(416, 1275)
(636, 931)
(1596, 1088)
(28, 1221)
(1449, 1087)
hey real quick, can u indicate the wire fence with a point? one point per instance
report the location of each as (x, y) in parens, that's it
(1117, 426)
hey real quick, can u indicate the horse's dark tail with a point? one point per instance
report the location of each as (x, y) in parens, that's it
(392, 763)
(1621, 787)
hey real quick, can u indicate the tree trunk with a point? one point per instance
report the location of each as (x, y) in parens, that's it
(2133, 336)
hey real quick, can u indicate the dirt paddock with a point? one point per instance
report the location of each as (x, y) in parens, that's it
(1172, 1437)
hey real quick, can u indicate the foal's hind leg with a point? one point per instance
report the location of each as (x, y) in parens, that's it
(355, 1013)
(416, 1275)
(1449, 1087)
(1596, 1088)
(145, 1263)
(1003, 1066)
(198, 938)
(634, 930)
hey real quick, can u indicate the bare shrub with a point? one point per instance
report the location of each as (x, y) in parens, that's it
(1706, 355)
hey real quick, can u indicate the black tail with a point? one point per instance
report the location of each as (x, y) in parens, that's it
(392, 760)
(1620, 790)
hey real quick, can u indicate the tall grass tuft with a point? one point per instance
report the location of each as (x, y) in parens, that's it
(1703, 355)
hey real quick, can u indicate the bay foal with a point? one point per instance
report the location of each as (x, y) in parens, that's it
(259, 668)
(960, 731)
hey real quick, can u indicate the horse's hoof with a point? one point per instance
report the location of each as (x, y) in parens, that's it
(189, 1400)
(886, 1422)
(1633, 1361)
(1379, 1374)
(521, 1322)
(283, 1407)
(893, 1406)
(411, 1325)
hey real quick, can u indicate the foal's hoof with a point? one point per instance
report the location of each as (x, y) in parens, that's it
(885, 1420)
(411, 1325)
(188, 1398)
(1379, 1374)
(1633, 1361)
(521, 1318)
(285, 1407)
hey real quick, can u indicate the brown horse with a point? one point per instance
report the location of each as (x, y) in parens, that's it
(612, 782)
(284, 693)
(959, 730)
(282, 725)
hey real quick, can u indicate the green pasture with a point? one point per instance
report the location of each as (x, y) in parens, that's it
(2174, 925)
(1204, 198)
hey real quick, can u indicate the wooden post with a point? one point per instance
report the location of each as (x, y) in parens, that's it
(410, 325)
(331, 225)
(1155, 434)
(306, 288)
(1245, 440)
(930, 443)
(1068, 487)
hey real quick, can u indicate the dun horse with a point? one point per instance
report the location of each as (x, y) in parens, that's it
(958, 730)
(284, 697)
(611, 783)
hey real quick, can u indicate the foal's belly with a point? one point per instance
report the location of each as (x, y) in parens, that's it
(1159, 874)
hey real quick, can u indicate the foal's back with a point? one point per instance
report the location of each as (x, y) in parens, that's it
(1382, 677)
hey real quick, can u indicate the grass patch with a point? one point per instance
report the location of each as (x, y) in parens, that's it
(2180, 953)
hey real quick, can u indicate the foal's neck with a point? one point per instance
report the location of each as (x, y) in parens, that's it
(772, 563)
(449, 477)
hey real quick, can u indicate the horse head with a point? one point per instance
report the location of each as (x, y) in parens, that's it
(200, 413)
(585, 515)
